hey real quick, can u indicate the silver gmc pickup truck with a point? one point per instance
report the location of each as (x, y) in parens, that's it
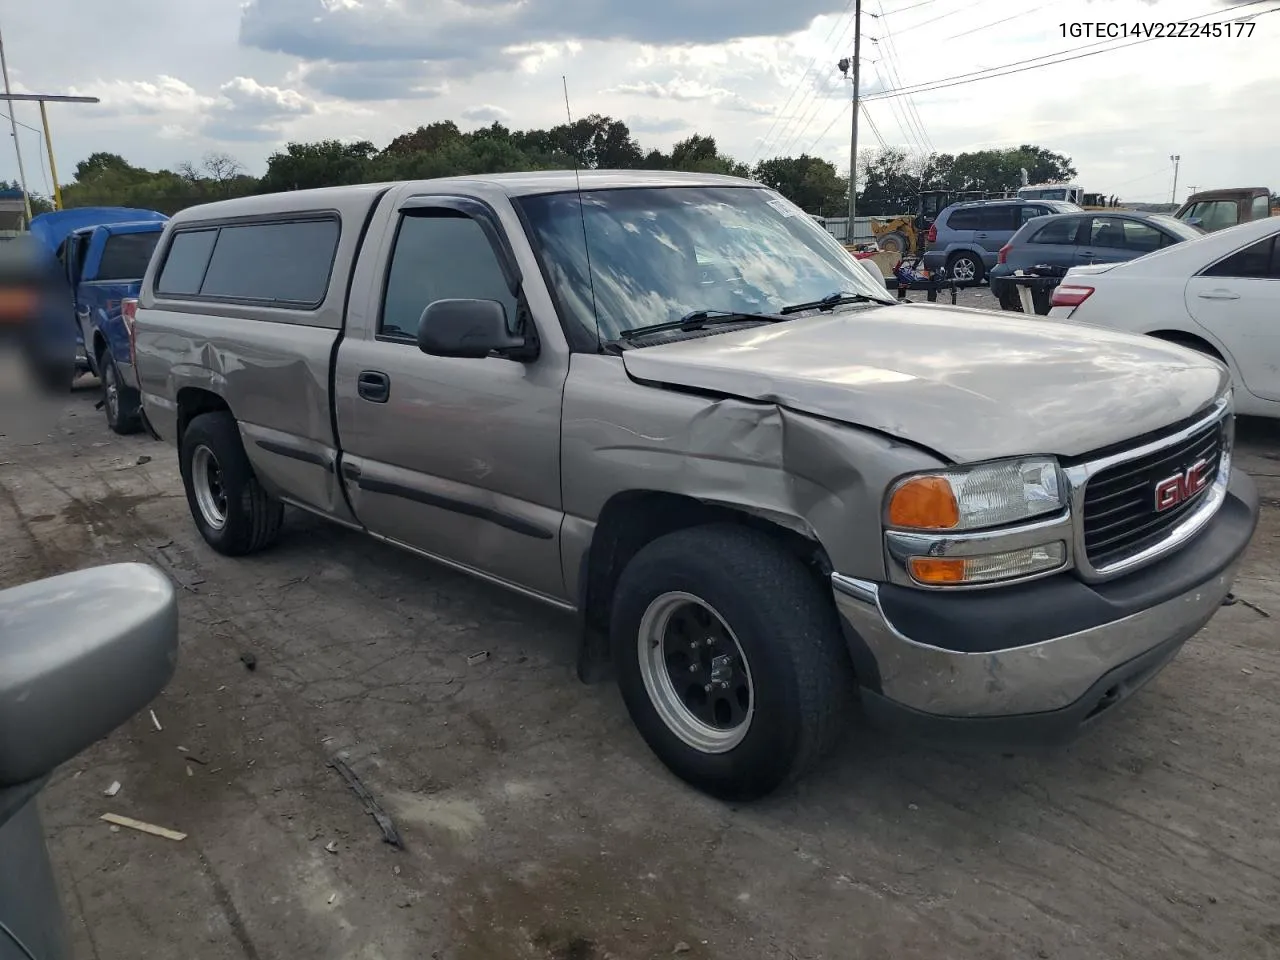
(674, 405)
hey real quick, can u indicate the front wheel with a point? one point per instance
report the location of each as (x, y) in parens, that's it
(119, 402)
(232, 510)
(730, 660)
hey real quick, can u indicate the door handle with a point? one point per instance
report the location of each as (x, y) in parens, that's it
(1218, 294)
(374, 386)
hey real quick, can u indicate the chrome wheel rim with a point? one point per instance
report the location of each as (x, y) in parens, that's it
(111, 388)
(695, 672)
(206, 481)
(964, 269)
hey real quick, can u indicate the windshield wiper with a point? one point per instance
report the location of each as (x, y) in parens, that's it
(828, 302)
(695, 320)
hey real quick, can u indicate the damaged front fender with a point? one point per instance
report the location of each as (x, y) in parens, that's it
(817, 478)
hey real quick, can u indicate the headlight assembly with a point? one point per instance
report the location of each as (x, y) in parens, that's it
(977, 497)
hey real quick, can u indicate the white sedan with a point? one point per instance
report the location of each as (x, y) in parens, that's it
(1219, 294)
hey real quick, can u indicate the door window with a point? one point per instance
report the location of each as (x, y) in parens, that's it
(1058, 231)
(1261, 208)
(1001, 217)
(126, 255)
(1106, 232)
(1030, 213)
(440, 255)
(1141, 237)
(1259, 261)
(966, 218)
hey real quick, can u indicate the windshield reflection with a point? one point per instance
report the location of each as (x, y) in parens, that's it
(656, 254)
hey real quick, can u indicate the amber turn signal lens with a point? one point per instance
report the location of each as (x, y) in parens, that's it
(937, 570)
(924, 503)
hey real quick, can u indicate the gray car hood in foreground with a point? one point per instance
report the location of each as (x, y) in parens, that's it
(968, 384)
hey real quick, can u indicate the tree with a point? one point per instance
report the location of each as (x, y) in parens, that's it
(699, 154)
(811, 183)
(324, 164)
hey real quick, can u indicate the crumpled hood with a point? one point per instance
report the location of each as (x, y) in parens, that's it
(968, 384)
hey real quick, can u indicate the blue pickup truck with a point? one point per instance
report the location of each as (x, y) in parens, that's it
(105, 251)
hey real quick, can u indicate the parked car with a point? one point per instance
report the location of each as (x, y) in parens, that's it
(1212, 210)
(1070, 239)
(767, 491)
(966, 238)
(104, 251)
(80, 654)
(1219, 294)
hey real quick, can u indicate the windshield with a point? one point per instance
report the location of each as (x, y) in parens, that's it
(1212, 214)
(658, 254)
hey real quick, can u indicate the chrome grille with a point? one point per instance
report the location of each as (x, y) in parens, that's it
(1120, 517)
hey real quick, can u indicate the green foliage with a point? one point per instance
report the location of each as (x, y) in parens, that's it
(811, 183)
(890, 179)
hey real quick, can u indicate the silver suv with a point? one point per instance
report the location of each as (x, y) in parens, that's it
(966, 238)
(674, 406)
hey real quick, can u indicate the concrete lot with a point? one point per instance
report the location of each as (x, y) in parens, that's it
(538, 825)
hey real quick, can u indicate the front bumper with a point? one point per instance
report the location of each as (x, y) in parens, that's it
(1037, 661)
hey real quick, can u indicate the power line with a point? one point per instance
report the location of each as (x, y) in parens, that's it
(1004, 19)
(990, 73)
(912, 114)
(930, 22)
(816, 99)
(922, 3)
(796, 89)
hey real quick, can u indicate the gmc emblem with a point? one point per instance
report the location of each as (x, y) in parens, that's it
(1181, 487)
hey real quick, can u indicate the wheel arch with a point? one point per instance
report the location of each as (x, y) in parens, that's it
(194, 401)
(632, 519)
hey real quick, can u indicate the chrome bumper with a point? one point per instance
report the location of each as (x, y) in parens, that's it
(1034, 678)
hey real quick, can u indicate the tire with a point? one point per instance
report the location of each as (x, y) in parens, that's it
(762, 606)
(214, 466)
(965, 267)
(1009, 299)
(119, 402)
(895, 241)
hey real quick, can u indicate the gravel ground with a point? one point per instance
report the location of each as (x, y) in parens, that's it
(536, 822)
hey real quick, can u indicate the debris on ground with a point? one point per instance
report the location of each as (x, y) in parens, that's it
(371, 805)
(112, 790)
(332, 846)
(249, 660)
(682, 947)
(143, 460)
(475, 658)
(142, 827)
(155, 720)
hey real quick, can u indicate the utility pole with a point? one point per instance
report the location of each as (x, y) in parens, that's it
(42, 99)
(847, 68)
(13, 125)
(1173, 194)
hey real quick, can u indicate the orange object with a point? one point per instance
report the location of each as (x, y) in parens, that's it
(938, 570)
(924, 503)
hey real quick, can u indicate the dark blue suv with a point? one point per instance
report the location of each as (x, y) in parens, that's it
(966, 238)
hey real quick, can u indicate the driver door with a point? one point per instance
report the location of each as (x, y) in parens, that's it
(457, 458)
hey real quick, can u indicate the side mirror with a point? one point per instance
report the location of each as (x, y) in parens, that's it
(80, 654)
(466, 328)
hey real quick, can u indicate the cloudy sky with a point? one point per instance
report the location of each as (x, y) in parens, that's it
(178, 78)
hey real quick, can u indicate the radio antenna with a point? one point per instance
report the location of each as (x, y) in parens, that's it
(582, 216)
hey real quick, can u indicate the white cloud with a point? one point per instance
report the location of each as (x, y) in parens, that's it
(757, 77)
(486, 113)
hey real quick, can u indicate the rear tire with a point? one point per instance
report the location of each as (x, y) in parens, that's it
(730, 660)
(965, 268)
(119, 402)
(231, 509)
